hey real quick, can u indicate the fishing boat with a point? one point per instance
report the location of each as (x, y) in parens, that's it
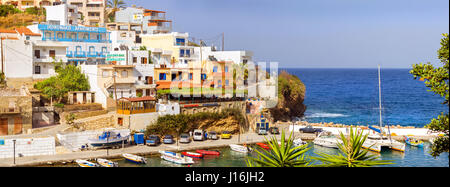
(327, 141)
(107, 163)
(375, 142)
(176, 157)
(134, 158)
(108, 138)
(263, 145)
(85, 163)
(207, 152)
(413, 142)
(240, 148)
(192, 154)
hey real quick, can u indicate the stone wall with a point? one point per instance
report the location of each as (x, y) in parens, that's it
(211, 107)
(27, 147)
(25, 111)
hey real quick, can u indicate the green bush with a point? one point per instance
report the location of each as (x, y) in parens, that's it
(8, 9)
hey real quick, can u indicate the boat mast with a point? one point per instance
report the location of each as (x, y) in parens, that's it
(379, 99)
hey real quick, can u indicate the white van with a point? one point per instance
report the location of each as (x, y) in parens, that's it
(198, 135)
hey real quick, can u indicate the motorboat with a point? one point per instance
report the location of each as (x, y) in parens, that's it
(107, 163)
(207, 152)
(108, 138)
(134, 158)
(192, 154)
(327, 140)
(176, 157)
(413, 142)
(85, 163)
(240, 148)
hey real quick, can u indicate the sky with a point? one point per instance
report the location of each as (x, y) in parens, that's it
(316, 33)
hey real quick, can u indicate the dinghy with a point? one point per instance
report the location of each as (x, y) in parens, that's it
(107, 163)
(176, 157)
(206, 152)
(85, 163)
(134, 158)
(413, 142)
(263, 145)
(192, 154)
(240, 148)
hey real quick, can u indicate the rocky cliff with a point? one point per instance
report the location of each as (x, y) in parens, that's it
(291, 93)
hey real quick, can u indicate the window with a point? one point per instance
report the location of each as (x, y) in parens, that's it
(52, 53)
(227, 82)
(180, 41)
(139, 78)
(219, 83)
(188, 53)
(85, 36)
(103, 50)
(162, 76)
(37, 69)
(203, 76)
(143, 60)
(215, 69)
(226, 69)
(91, 49)
(99, 37)
(48, 35)
(37, 53)
(190, 76)
(77, 49)
(134, 59)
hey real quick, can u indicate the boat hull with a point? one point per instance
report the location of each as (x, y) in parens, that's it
(134, 159)
(239, 148)
(193, 155)
(176, 158)
(206, 152)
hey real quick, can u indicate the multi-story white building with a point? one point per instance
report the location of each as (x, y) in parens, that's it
(62, 14)
(90, 12)
(153, 21)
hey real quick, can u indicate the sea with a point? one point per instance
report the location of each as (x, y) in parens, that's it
(350, 97)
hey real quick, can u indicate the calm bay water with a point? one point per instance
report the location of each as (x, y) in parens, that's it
(413, 157)
(350, 96)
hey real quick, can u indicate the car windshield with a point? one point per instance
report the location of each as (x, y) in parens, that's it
(197, 133)
(168, 136)
(152, 137)
(212, 133)
(184, 136)
(225, 132)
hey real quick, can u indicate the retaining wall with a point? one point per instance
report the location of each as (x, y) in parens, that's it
(27, 147)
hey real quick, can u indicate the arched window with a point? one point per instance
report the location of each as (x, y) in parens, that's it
(60, 35)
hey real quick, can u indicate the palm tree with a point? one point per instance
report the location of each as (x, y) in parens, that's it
(353, 154)
(280, 155)
(114, 6)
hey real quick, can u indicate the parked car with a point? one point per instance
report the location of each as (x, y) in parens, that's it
(153, 140)
(213, 135)
(226, 135)
(185, 138)
(168, 139)
(274, 130)
(199, 135)
(310, 129)
(262, 130)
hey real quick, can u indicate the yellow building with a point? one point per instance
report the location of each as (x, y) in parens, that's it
(176, 44)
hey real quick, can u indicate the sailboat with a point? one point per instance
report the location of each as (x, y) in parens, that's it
(375, 142)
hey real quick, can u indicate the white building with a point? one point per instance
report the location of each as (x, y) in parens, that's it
(235, 56)
(63, 14)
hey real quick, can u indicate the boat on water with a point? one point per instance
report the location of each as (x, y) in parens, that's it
(263, 145)
(176, 157)
(108, 138)
(298, 142)
(413, 142)
(107, 163)
(85, 163)
(240, 148)
(375, 142)
(207, 152)
(327, 140)
(192, 154)
(134, 158)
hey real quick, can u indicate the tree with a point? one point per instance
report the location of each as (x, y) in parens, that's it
(2, 80)
(436, 79)
(69, 78)
(353, 154)
(280, 155)
(114, 6)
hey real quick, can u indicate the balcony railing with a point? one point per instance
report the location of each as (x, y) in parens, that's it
(11, 110)
(77, 40)
(79, 54)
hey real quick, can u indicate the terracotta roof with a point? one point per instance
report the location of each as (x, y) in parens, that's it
(135, 99)
(26, 31)
(7, 31)
(158, 11)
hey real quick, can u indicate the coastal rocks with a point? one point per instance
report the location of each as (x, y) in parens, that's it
(291, 93)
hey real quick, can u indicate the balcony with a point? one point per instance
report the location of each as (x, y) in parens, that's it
(76, 40)
(80, 54)
(10, 110)
(49, 59)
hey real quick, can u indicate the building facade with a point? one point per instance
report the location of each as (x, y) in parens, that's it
(91, 12)
(153, 21)
(24, 4)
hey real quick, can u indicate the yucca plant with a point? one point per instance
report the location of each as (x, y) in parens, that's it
(352, 154)
(280, 155)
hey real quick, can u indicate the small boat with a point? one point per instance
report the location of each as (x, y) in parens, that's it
(326, 139)
(85, 163)
(108, 138)
(298, 142)
(263, 145)
(176, 157)
(134, 158)
(106, 163)
(240, 148)
(207, 152)
(413, 142)
(192, 154)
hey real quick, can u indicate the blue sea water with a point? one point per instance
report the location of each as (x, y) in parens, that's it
(350, 96)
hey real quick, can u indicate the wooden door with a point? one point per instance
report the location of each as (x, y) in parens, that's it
(120, 121)
(3, 126)
(18, 125)
(74, 98)
(84, 98)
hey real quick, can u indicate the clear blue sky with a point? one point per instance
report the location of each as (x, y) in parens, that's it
(316, 33)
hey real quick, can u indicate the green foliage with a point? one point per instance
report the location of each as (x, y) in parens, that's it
(70, 118)
(2, 80)
(35, 11)
(177, 124)
(59, 105)
(280, 155)
(114, 6)
(352, 154)
(436, 79)
(69, 78)
(8, 9)
(139, 94)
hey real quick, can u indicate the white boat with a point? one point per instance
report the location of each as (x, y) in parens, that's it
(327, 141)
(109, 138)
(240, 148)
(176, 157)
(106, 163)
(134, 158)
(375, 142)
(85, 163)
(298, 142)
